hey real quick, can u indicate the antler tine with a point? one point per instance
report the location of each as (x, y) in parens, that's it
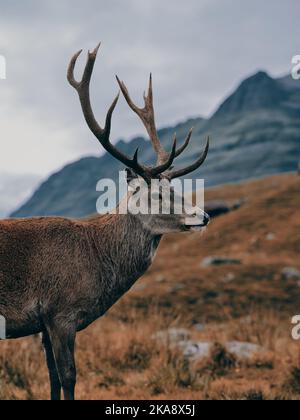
(82, 89)
(70, 75)
(88, 71)
(149, 97)
(101, 134)
(125, 92)
(165, 166)
(147, 116)
(193, 167)
(185, 144)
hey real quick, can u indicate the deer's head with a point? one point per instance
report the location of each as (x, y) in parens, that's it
(140, 177)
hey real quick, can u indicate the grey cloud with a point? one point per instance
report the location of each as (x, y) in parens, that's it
(15, 190)
(197, 51)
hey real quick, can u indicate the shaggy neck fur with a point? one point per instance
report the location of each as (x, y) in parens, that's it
(125, 250)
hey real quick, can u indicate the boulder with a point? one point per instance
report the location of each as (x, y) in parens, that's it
(199, 350)
(291, 273)
(243, 350)
(271, 236)
(219, 260)
(172, 336)
(216, 208)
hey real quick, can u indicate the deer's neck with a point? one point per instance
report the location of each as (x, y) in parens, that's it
(125, 250)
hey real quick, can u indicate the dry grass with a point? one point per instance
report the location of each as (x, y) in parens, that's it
(118, 359)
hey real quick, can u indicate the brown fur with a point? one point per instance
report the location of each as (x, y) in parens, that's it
(52, 266)
(59, 274)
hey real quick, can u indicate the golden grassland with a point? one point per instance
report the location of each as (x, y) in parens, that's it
(117, 357)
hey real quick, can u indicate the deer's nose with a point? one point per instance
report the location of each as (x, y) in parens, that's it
(206, 219)
(204, 216)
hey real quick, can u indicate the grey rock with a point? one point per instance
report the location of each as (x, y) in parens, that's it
(291, 273)
(271, 236)
(219, 260)
(200, 350)
(243, 350)
(216, 208)
(173, 336)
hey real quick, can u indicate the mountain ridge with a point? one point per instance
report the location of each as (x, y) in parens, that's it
(255, 132)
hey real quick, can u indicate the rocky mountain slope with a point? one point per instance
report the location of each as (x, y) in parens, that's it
(255, 132)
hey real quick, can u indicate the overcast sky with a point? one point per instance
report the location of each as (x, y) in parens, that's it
(198, 51)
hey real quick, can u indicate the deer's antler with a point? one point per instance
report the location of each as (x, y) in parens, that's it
(185, 171)
(146, 114)
(103, 134)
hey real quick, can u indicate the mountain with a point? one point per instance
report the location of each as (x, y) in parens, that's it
(259, 91)
(255, 132)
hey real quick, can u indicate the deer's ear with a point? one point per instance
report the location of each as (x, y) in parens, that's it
(131, 175)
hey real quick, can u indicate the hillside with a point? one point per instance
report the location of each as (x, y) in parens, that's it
(252, 301)
(255, 133)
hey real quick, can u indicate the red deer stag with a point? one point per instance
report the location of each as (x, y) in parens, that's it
(57, 275)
